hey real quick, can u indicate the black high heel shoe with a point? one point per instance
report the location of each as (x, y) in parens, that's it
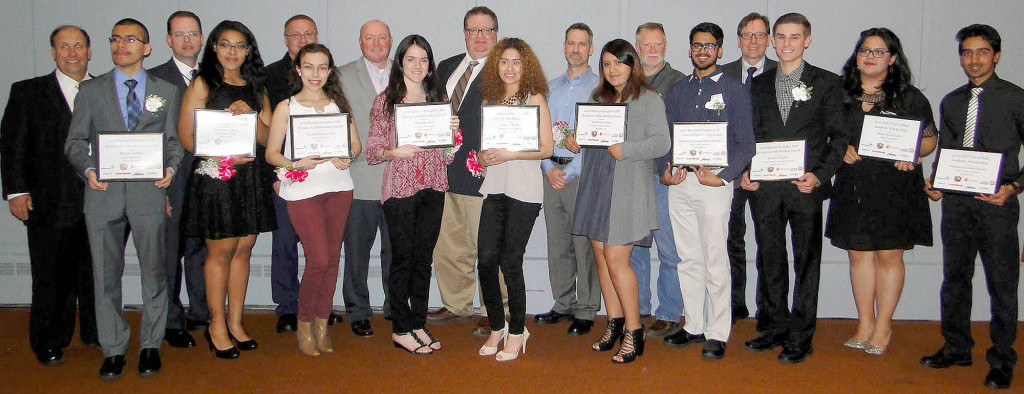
(226, 354)
(612, 334)
(244, 345)
(634, 339)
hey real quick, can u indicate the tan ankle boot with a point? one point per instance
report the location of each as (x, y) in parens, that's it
(323, 341)
(305, 336)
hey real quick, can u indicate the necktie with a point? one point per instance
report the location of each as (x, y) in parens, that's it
(191, 75)
(460, 88)
(133, 105)
(972, 118)
(750, 75)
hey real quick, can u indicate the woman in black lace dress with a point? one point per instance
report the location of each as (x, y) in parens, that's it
(228, 210)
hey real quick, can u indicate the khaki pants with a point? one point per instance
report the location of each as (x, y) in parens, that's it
(455, 254)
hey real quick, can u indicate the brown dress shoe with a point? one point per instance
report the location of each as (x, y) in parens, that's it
(444, 316)
(662, 328)
(483, 327)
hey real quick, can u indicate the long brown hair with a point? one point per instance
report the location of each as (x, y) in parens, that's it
(624, 51)
(532, 82)
(332, 87)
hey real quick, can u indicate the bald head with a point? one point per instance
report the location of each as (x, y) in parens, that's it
(375, 42)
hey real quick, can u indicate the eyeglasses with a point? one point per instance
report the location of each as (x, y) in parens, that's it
(863, 52)
(709, 47)
(309, 35)
(488, 31)
(226, 46)
(758, 35)
(190, 34)
(128, 39)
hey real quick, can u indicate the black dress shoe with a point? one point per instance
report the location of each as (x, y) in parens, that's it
(334, 318)
(192, 325)
(362, 328)
(112, 368)
(179, 338)
(713, 350)
(999, 378)
(287, 323)
(765, 342)
(49, 357)
(944, 359)
(230, 353)
(795, 354)
(551, 317)
(149, 362)
(683, 339)
(580, 326)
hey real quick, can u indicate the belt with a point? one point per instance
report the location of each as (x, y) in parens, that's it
(561, 160)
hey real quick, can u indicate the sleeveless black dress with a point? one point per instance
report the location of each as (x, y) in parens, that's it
(240, 206)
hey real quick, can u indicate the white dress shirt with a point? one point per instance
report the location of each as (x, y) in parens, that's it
(379, 76)
(184, 70)
(461, 69)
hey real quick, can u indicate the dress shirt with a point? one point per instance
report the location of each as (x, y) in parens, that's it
(185, 70)
(461, 69)
(744, 66)
(562, 98)
(784, 84)
(69, 87)
(122, 91)
(379, 76)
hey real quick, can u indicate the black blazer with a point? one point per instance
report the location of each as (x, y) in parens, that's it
(32, 133)
(737, 69)
(460, 180)
(815, 121)
(169, 72)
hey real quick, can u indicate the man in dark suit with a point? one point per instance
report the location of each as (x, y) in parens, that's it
(752, 38)
(126, 99)
(45, 192)
(185, 38)
(793, 102)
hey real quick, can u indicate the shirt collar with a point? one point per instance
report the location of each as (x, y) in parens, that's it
(795, 75)
(713, 76)
(120, 77)
(759, 65)
(374, 68)
(65, 80)
(584, 77)
(183, 68)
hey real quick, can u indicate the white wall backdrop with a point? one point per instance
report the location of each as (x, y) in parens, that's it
(926, 28)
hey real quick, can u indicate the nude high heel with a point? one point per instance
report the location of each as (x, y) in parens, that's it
(502, 356)
(491, 350)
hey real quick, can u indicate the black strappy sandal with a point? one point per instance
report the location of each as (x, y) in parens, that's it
(430, 336)
(415, 351)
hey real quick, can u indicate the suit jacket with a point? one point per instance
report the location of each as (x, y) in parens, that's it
(460, 179)
(276, 80)
(32, 160)
(360, 93)
(97, 109)
(814, 121)
(169, 72)
(738, 69)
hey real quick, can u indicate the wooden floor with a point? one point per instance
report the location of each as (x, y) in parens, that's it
(555, 362)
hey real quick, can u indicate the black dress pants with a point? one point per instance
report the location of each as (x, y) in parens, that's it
(414, 223)
(505, 227)
(737, 249)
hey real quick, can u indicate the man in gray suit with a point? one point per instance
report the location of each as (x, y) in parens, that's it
(363, 79)
(752, 36)
(126, 99)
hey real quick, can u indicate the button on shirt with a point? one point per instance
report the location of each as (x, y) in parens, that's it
(378, 76)
(122, 91)
(562, 98)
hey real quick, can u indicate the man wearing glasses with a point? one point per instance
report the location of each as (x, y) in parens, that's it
(185, 38)
(752, 39)
(126, 99)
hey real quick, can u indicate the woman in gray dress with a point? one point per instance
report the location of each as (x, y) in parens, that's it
(615, 203)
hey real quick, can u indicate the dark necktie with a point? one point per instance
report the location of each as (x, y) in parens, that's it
(192, 75)
(972, 118)
(750, 75)
(460, 88)
(133, 105)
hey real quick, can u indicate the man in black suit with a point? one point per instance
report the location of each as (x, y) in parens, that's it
(752, 38)
(793, 102)
(45, 192)
(185, 38)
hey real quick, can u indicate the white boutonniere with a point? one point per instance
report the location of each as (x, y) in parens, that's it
(155, 103)
(802, 92)
(717, 102)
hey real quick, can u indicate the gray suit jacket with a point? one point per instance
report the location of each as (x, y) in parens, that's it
(359, 91)
(97, 109)
(737, 69)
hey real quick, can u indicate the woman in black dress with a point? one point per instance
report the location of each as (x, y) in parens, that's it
(879, 208)
(228, 210)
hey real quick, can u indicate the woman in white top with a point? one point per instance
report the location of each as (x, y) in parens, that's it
(318, 205)
(513, 194)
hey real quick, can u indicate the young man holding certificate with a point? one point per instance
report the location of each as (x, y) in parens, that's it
(699, 205)
(793, 104)
(987, 114)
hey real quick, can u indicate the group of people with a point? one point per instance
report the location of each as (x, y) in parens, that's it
(468, 213)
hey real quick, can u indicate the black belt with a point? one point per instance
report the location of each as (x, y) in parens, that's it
(562, 160)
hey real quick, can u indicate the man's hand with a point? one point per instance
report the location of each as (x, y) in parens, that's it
(670, 179)
(95, 184)
(806, 183)
(166, 182)
(20, 206)
(571, 145)
(933, 194)
(1005, 191)
(707, 178)
(851, 155)
(556, 178)
(747, 185)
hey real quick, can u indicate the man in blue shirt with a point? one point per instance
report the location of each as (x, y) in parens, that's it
(571, 268)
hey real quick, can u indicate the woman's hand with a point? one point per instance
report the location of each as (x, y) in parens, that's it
(308, 162)
(571, 145)
(341, 164)
(239, 107)
(851, 155)
(616, 151)
(455, 122)
(493, 157)
(407, 151)
(904, 165)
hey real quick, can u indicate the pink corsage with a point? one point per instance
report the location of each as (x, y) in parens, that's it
(450, 152)
(474, 166)
(218, 169)
(288, 175)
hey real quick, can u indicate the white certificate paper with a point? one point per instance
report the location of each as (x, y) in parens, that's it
(891, 139)
(219, 133)
(600, 125)
(123, 156)
(967, 171)
(777, 161)
(700, 143)
(426, 125)
(511, 127)
(325, 135)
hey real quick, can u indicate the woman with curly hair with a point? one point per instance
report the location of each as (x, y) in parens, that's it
(513, 193)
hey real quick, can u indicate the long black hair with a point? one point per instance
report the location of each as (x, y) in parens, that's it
(396, 84)
(252, 68)
(898, 75)
(331, 87)
(637, 82)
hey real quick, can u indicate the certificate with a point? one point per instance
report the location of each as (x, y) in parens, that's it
(512, 127)
(890, 139)
(219, 133)
(967, 171)
(426, 125)
(600, 125)
(128, 156)
(325, 135)
(700, 143)
(777, 161)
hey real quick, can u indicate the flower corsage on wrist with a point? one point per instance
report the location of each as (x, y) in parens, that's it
(218, 169)
(289, 174)
(560, 131)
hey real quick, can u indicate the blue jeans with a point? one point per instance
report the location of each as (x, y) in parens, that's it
(670, 300)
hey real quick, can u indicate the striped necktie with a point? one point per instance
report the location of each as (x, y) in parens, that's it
(972, 118)
(460, 88)
(133, 105)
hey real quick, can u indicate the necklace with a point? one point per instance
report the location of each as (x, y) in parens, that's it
(872, 98)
